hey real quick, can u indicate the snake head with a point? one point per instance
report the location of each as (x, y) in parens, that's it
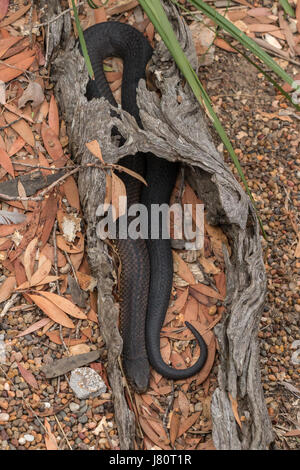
(138, 373)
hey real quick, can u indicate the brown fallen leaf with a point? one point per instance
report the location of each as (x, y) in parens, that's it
(187, 423)
(71, 192)
(64, 304)
(17, 145)
(50, 439)
(100, 15)
(207, 445)
(51, 142)
(182, 269)
(209, 265)
(6, 163)
(64, 246)
(224, 45)
(292, 433)
(220, 280)
(260, 11)
(29, 257)
(298, 16)
(53, 116)
(6, 43)
(41, 273)
(21, 127)
(208, 291)
(46, 280)
(152, 435)
(35, 326)
(133, 174)
(34, 93)
(203, 299)
(7, 288)
(55, 337)
(86, 281)
(184, 404)
(191, 309)
(92, 316)
(79, 349)
(179, 302)
(18, 65)
(3, 8)
(27, 376)
(262, 28)
(52, 311)
(95, 149)
(174, 426)
(121, 6)
(14, 16)
(234, 405)
(13, 109)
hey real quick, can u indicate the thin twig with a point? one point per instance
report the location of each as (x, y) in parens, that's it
(56, 17)
(47, 45)
(57, 282)
(63, 432)
(24, 401)
(72, 267)
(36, 167)
(9, 303)
(108, 437)
(49, 188)
(10, 123)
(15, 67)
(31, 24)
(170, 401)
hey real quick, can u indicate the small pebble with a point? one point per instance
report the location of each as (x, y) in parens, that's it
(74, 407)
(4, 416)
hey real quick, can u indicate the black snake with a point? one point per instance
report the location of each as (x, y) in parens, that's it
(147, 265)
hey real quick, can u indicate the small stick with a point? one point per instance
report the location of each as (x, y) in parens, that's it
(170, 401)
(56, 17)
(10, 124)
(9, 303)
(57, 282)
(63, 432)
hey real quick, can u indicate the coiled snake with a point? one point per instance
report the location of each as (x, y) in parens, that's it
(147, 265)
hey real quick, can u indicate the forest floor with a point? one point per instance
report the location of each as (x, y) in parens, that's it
(44, 262)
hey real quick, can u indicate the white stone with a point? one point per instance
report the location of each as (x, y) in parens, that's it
(86, 382)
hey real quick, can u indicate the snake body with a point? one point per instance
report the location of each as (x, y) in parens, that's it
(147, 265)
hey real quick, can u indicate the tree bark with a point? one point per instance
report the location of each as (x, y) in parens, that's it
(176, 130)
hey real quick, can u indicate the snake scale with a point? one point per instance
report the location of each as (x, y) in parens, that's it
(147, 265)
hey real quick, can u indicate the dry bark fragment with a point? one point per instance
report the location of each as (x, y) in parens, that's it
(176, 130)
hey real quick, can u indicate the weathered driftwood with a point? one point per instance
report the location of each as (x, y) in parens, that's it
(176, 130)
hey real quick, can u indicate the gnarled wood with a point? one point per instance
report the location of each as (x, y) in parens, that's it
(176, 130)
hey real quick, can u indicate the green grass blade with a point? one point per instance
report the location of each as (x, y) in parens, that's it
(287, 8)
(158, 17)
(267, 75)
(82, 42)
(242, 38)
